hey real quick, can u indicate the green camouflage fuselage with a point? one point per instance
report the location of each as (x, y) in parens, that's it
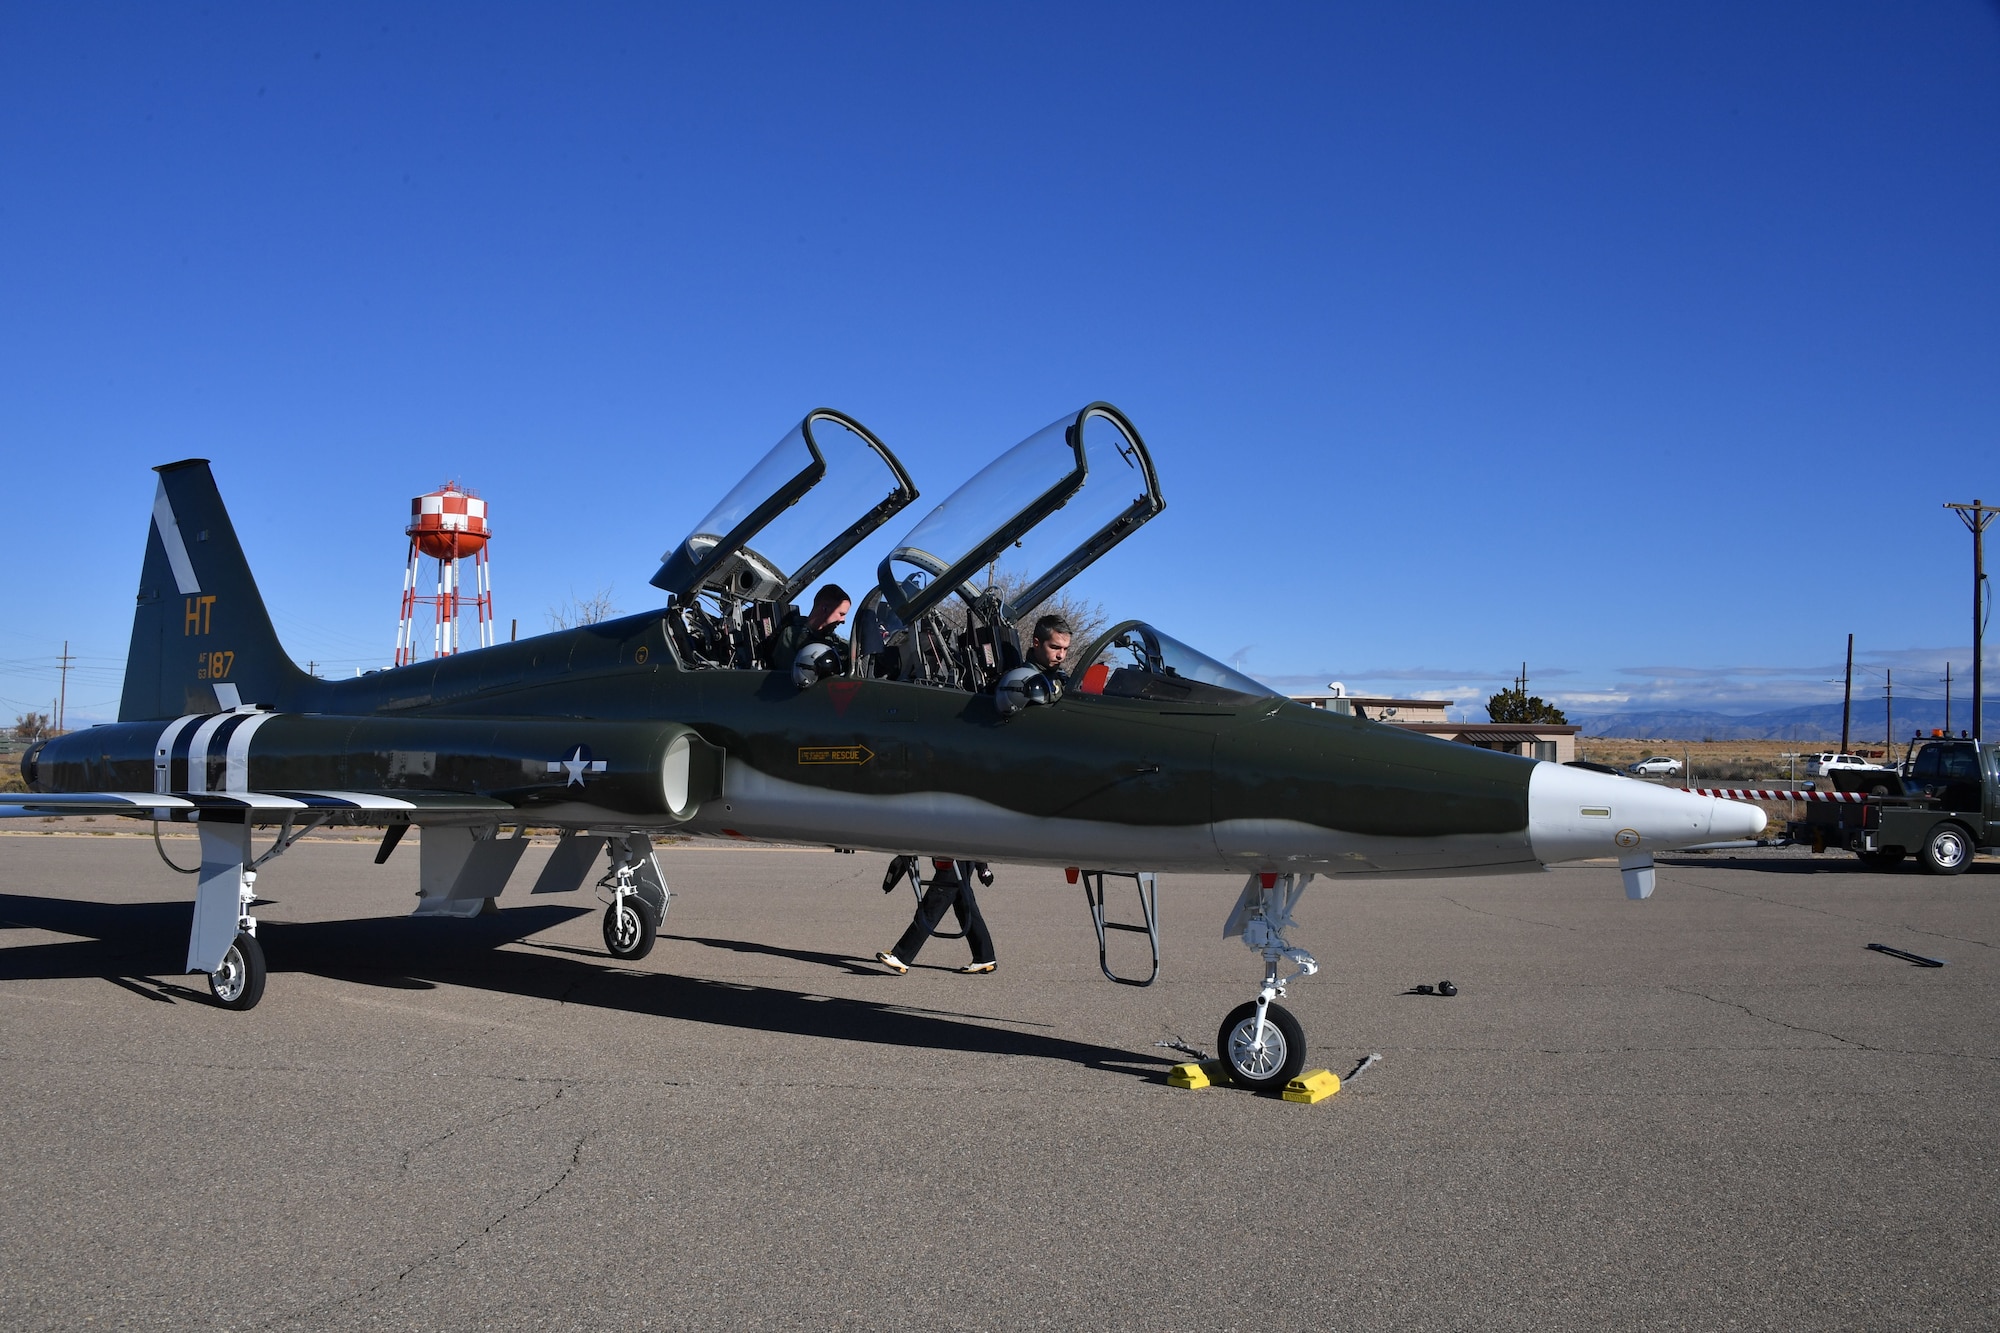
(1099, 781)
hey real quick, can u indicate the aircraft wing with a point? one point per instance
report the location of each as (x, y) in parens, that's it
(17, 805)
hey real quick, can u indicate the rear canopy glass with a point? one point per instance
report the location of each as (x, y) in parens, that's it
(821, 489)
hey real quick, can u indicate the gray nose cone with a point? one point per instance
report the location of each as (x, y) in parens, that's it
(1575, 814)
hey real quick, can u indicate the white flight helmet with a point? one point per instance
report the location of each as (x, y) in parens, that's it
(814, 664)
(1021, 687)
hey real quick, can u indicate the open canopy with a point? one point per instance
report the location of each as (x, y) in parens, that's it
(1132, 660)
(821, 489)
(1037, 516)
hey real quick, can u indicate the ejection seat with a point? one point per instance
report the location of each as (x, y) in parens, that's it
(733, 577)
(1005, 543)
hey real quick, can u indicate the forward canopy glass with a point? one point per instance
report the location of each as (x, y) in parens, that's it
(1029, 523)
(769, 537)
(1132, 660)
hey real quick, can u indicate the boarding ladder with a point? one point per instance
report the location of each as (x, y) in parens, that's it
(1148, 884)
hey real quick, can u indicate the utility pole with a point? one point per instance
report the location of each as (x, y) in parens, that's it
(1976, 516)
(1889, 715)
(1847, 696)
(1521, 681)
(1947, 699)
(62, 696)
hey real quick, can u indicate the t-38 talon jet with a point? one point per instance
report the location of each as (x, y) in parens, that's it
(923, 734)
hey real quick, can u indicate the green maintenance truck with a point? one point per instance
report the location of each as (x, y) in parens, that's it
(1941, 806)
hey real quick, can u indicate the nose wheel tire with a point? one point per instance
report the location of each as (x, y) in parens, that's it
(629, 928)
(1947, 850)
(239, 982)
(1265, 1065)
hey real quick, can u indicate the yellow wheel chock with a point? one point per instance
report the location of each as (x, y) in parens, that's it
(1314, 1085)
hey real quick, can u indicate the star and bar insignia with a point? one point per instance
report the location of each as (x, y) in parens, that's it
(578, 764)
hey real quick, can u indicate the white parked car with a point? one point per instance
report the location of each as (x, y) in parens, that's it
(1659, 766)
(1826, 762)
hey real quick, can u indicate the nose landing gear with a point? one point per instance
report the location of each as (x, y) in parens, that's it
(1263, 1043)
(1265, 1050)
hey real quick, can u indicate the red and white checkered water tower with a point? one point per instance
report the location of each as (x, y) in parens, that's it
(448, 525)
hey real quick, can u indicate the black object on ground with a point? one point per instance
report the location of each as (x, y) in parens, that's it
(1907, 956)
(1446, 989)
(1176, 1044)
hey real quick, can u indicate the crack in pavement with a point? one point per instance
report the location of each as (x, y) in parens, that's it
(1552, 925)
(515, 1210)
(1842, 916)
(1831, 1036)
(410, 1153)
(427, 1056)
(1794, 1027)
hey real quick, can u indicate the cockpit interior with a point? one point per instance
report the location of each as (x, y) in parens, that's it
(820, 491)
(955, 596)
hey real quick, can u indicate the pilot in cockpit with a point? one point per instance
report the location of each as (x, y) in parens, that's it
(829, 612)
(1051, 645)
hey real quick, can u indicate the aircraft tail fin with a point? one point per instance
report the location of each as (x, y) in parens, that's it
(202, 640)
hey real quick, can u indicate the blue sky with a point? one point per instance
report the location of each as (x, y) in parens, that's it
(1640, 342)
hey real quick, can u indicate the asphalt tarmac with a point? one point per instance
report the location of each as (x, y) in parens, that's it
(1715, 1109)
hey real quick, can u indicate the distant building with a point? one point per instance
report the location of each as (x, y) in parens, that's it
(1381, 709)
(1534, 740)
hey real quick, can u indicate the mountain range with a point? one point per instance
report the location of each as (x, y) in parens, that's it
(1804, 722)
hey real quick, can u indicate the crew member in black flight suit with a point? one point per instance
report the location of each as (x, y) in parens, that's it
(830, 606)
(951, 888)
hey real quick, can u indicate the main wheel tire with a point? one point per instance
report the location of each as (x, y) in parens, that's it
(1886, 859)
(1947, 850)
(239, 982)
(629, 933)
(1265, 1067)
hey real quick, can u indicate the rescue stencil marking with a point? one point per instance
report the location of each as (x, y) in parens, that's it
(835, 754)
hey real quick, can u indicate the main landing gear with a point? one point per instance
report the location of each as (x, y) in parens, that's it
(1263, 1043)
(239, 982)
(223, 941)
(639, 898)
